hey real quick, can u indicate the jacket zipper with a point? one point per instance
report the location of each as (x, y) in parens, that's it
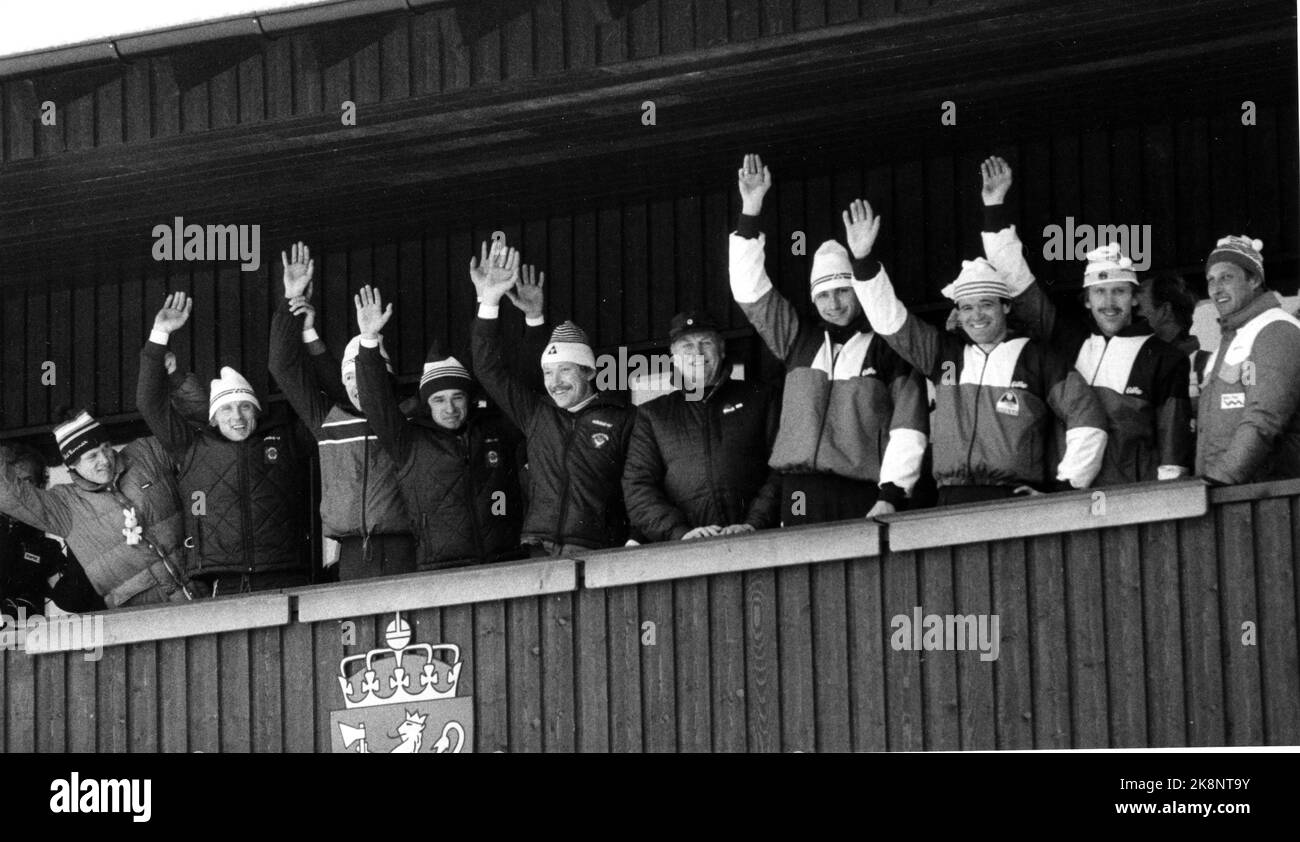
(564, 493)
(826, 404)
(246, 507)
(974, 425)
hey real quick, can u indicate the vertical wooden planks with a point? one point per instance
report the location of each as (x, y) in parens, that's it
(203, 684)
(83, 708)
(867, 635)
(267, 656)
(491, 702)
(106, 388)
(636, 289)
(694, 668)
(643, 22)
(609, 287)
(677, 32)
(1012, 677)
(591, 671)
(298, 680)
(234, 697)
(523, 648)
(1276, 585)
(111, 688)
(145, 732)
(1162, 621)
(974, 675)
(557, 671)
(548, 36)
(658, 670)
(763, 674)
(795, 675)
(13, 347)
(625, 706)
(1125, 659)
(1087, 640)
(941, 699)
(688, 277)
(173, 694)
(903, 694)
(51, 695)
(1050, 654)
(663, 269)
(727, 658)
(1241, 686)
(831, 688)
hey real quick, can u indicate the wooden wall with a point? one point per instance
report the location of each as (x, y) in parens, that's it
(622, 269)
(1124, 636)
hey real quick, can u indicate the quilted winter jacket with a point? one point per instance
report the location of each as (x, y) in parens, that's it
(701, 462)
(463, 487)
(575, 458)
(252, 490)
(859, 413)
(91, 519)
(994, 410)
(1249, 413)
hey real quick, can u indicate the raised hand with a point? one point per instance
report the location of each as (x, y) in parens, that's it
(496, 274)
(754, 181)
(371, 313)
(996, 173)
(301, 306)
(298, 270)
(527, 293)
(174, 314)
(860, 228)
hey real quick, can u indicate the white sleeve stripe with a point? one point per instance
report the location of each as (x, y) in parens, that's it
(1084, 449)
(901, 464)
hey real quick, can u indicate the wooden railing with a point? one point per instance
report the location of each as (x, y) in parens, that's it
(1153, 615)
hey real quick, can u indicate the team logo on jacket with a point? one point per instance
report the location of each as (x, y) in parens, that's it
(400, 699)
(493, 458)
(599, 439)
(272, 453)
(1008, 404)
(1233, 400)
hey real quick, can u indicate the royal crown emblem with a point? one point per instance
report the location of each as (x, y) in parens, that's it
(394, 695)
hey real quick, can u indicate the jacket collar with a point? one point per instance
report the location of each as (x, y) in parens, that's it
(1264, 302)
(1138, 327)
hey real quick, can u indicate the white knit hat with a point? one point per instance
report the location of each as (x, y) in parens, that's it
(230, 387)
(1107, 265)
(354, 347)
(978, 278)
(831, 268)
(569, 345)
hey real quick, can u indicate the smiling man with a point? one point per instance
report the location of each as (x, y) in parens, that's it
(577, 439)
(242, 477)
(1249, 410)
(853, 415)
(996, 393)
(1140, 379)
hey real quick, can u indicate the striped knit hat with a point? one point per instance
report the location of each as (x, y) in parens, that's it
(230, 387)
(442, 371)
(569, 345)
(978, 278)
(1107, 265)
(77, 436)
(354, 347)
(1241, 251)
(831, 268)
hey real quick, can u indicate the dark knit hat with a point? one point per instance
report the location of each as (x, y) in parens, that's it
(1240, 251)
(442, 371)
(77, 436)
(692, 321)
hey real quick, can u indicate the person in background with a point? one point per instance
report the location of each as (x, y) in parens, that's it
(1248, 418)
(854, 416)
(120, 514)
(697, 463)
(361, 506)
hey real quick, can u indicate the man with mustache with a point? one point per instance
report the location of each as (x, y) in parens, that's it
(577, 436)
(1140, 379)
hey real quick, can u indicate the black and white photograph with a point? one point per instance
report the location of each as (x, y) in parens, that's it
(903, 379)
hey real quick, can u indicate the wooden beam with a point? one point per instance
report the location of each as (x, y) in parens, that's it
(1048, 514)
(761, 550)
